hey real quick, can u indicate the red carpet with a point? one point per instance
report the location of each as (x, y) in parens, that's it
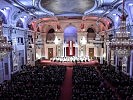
(66, 89)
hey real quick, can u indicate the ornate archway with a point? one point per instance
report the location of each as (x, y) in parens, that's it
(90, 34)
(50, 36)
(70, 38)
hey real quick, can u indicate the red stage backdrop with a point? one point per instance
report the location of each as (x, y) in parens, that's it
(70, 50)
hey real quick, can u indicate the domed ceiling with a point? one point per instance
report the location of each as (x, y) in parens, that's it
(106, 11)
(44, 8)
(67, 6)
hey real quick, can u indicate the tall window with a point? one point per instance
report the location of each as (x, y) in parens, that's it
(19, 24)
(20, 40)
(90, 34)
(50, 36)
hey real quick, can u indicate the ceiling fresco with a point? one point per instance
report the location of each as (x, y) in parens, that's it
(67, 6)
(44, 8)
(74, 9)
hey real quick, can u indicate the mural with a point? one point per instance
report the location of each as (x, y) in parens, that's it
(67, 6)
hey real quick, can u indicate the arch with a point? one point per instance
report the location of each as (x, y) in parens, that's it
(51, 30)
(129, 10)
(90, 30)
(91, 34)
(70, 33)
(19, 24)
(46, 27)
(19, 15)
(50, 36)
(3, 17)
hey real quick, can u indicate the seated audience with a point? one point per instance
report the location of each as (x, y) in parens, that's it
(34, 83)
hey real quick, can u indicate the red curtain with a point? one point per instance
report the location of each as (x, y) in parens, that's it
(70, 50)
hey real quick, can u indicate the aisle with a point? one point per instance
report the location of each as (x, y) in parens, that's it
(66, 88)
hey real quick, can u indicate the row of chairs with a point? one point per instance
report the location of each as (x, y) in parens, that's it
(122, 83)
(88, 85)
(34, 83)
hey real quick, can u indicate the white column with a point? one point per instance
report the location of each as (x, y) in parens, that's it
(108, 54)
(9, 66)
(78, 51)
(65, 51)
(131, 64)
(116, 68)
(1, 71)
(97, 51)
(84, 50)
(71, 48)
(56, 50)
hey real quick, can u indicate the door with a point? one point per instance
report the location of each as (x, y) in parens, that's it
(50, 53)
(91, 53)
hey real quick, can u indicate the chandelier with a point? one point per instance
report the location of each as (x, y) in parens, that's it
(121, 42)
(5, 47)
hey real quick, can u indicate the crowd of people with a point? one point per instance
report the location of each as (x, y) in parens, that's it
(44, 82)
(34, 83)
(122, 82)
(70, 59)
(89, 85)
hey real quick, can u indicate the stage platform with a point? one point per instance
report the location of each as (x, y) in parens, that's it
(69, 64)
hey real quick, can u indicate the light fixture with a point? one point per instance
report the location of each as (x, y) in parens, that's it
(114, 14)
(25, 16)
(130, 4)
(83, 41)
(56, 41)
(121, 41)
(5, 47)
(104, 55)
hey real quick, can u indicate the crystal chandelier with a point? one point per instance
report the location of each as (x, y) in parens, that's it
(5, 47)
(121, 42)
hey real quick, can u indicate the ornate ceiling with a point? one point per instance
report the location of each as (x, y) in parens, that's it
(39, 11)
(65, 7)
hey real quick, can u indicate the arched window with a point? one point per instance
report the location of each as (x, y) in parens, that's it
(2, 16)
(50, 36)
(90, 34)
(19, 24)
(70, 33)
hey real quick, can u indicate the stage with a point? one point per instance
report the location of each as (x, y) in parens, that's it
(69, 64)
